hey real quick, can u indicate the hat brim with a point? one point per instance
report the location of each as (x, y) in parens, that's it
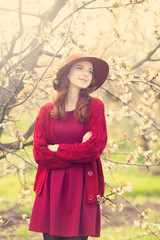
(101, 69)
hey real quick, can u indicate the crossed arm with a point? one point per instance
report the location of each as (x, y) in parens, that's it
(89, 149)
(86, 137)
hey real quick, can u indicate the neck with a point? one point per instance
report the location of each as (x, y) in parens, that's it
(72, 97)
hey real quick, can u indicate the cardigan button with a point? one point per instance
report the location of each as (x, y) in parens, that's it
(90, 173)
(90, 197)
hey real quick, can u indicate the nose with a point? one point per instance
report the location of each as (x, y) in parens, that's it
(85, 73)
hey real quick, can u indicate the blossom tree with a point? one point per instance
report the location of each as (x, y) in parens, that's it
(35, 39)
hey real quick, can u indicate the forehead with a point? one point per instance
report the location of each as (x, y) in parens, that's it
(84, 63)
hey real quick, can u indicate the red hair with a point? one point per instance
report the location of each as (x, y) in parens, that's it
(81, 113)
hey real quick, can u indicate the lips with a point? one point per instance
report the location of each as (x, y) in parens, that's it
(83, 80)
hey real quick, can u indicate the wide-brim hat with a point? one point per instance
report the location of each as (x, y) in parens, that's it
(101, 68)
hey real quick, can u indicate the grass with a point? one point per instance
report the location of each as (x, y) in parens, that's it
(23, 232)
(119, 233)
(143, 184)
(145, 188)
(12, 186)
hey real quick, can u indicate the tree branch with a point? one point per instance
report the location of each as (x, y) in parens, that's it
(24, 13)
(16, 37)
(116, 97)
(131, 164)
(117, 5)
(14, 153)
(16, 143)
(147, 58)
(2, 113)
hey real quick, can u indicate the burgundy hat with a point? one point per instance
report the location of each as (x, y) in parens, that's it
(101, 68)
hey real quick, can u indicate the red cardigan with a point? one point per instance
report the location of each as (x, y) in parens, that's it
(67, 154)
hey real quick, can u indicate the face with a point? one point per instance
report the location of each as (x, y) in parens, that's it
(81, 74)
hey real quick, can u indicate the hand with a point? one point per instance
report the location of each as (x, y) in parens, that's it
(86, 136)
(54, 147)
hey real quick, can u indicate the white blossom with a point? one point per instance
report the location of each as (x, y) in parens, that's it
(128, 187)
(156, 233)
(158, 154)
(132, 157)
(26, 218)
(21, 172)
(2, 220)
(4, 82)
(142, 86)
(137, 223)
(126, 111)
(112, 146)
(25, 195)
(120, 207)
(158, 225)
(9, 155)
(138, 130)
(150, 158)
(22, 166)
(145, 213)
(25, 192)
(151, 73)
(126, 97)
(8, 168)
(152, 110)
(140, 223)
(145, 122)
(144, 224)
(147, 154)
(141, 109)
(107, 165)
(139, 150)
(113, 208)
(148, 98)
(2, 125)
(118, 190)
(154, 137)
(114, 190)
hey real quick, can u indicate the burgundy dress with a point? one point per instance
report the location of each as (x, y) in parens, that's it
(62, 209)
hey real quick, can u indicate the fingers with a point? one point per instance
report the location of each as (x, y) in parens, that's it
(54, 147)
(87, 136)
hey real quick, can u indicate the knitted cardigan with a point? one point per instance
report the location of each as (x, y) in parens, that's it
(68, 154)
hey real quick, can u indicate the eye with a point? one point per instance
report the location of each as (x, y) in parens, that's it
(79, 67)
(91, 72)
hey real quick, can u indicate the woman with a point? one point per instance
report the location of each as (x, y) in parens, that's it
(69, 137)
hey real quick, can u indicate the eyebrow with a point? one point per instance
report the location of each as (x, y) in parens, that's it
(82, 66)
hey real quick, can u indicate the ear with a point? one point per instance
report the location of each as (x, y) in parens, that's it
(68, 75)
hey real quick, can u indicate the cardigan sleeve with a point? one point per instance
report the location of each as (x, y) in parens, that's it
(92, 148)
(42, 154)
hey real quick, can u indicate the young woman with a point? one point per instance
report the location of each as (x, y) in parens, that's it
(69, 137)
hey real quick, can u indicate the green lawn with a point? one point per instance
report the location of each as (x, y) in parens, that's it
(145, 188)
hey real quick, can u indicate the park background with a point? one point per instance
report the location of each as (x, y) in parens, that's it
(35, 38)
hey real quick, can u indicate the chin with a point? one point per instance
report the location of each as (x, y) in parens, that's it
(84, 86)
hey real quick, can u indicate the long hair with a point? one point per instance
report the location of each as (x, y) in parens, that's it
(58, 109)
